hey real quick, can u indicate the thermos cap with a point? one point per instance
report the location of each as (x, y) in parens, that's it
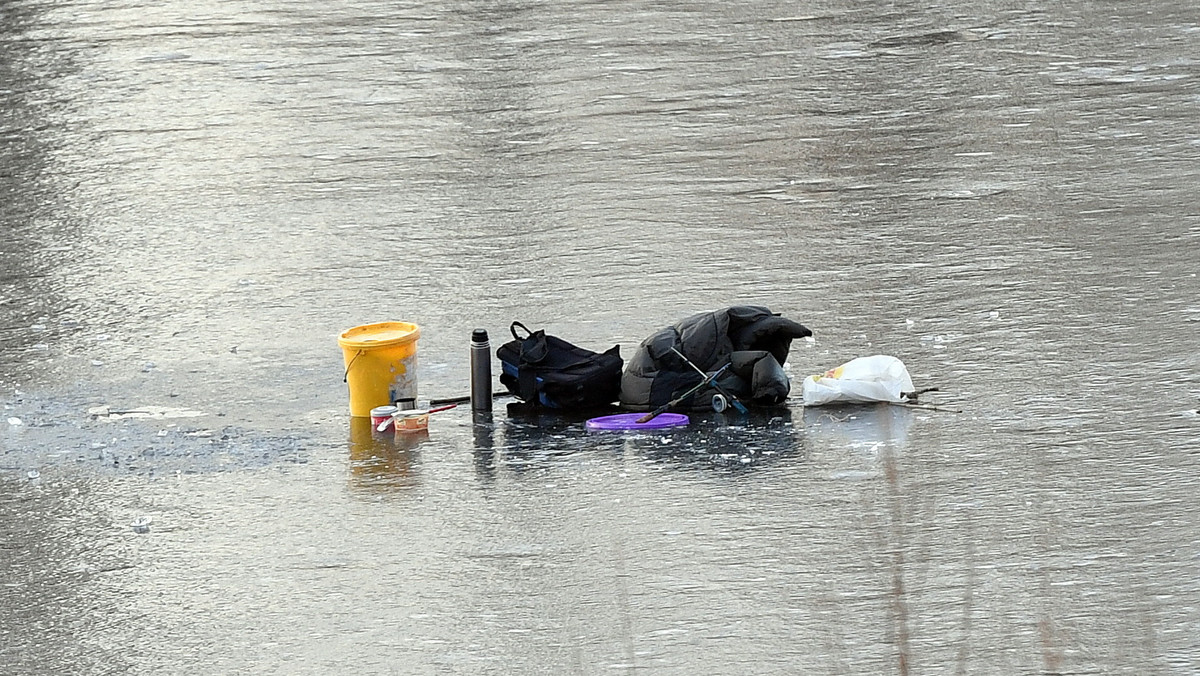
(479, 336)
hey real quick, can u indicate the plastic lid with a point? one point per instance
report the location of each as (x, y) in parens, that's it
(479, 336)
(623, 422)
(380, 334)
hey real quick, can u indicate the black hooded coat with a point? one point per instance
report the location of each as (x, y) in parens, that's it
(751, 339)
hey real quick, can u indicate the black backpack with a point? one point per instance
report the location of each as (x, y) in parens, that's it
(547, 371)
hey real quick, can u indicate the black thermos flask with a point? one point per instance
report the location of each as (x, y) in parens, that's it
(481, 371)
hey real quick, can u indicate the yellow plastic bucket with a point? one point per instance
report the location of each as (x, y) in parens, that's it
(381, 364)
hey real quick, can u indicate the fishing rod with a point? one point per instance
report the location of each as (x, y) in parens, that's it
(717, 386)
(675, 402)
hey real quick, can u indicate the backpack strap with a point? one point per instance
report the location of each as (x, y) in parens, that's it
(533, 351)
(512, 328)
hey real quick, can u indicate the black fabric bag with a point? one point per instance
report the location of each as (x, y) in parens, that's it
(547, 371)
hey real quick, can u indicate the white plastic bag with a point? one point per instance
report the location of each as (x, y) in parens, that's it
(866, 379)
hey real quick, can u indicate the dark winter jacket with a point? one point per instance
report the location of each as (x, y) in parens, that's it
(752, 339)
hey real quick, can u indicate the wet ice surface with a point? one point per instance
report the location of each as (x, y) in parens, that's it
(195, 203)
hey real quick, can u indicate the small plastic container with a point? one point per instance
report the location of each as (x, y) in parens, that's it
(380, 415)
(412, 423)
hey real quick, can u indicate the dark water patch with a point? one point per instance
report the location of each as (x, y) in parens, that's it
(936, 37)
(53, 435)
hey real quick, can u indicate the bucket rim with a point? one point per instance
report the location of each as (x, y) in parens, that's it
(358, 336)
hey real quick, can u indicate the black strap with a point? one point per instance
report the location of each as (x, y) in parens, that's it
(533, 351)
(513, 329)
(527, 382)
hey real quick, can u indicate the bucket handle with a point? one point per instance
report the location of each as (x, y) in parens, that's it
(346, 377)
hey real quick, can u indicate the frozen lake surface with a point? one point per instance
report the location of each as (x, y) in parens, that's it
(195, 199)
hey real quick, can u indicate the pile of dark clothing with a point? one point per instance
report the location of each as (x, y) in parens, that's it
(749, 342)
(752, 340)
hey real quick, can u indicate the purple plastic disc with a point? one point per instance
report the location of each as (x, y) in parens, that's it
(623, 422)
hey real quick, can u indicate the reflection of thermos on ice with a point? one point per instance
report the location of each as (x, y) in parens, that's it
(481, 371)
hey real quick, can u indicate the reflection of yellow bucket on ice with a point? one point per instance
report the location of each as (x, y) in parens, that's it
(383, 461)
(381, 364)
